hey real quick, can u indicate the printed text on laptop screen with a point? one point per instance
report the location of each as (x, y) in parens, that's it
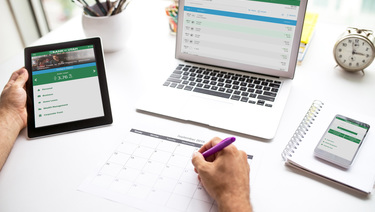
(252, 32)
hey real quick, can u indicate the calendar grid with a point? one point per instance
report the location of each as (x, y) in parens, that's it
(156, 169)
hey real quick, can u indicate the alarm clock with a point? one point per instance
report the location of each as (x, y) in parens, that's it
(355, 49)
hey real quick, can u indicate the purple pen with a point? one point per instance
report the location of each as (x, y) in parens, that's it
(224, 143)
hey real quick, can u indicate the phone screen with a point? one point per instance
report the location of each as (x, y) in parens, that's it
(343, 137)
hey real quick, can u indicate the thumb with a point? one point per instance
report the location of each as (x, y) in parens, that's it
(198, 161)
(22, 77)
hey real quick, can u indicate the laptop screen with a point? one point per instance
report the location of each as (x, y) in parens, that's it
(260, 36)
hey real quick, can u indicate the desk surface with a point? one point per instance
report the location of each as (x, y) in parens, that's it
(43, 174)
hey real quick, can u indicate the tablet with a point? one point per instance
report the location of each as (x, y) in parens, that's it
(67, 87)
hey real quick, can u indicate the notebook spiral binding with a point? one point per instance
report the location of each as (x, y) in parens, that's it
(302, 129)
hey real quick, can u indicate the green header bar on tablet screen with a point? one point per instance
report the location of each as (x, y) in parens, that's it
(66, 75)
(62, 50)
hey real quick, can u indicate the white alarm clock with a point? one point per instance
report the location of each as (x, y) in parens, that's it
(355, 49)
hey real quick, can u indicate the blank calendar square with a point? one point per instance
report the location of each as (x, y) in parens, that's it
(158, 196)
(146, 179)
(111, 169)
(179, 202)
(196, 205)
(121, 186)
(102, 180)
(178, 160)
(136, 162)
(139, 191)
(161, 156)
(201, 194)
(173, 172)
(185, 189)
(165, 184)
(127, 148)
(119, 158)
(153, 167)
(143, 152)
(129, 174)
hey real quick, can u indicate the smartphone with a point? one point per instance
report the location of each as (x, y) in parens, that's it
(341, 141)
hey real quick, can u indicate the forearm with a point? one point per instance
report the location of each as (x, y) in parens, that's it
(235, 204)
(9, 130)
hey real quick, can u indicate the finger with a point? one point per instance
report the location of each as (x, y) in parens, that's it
(11, 80)
(243, 160)
(244, 157)
(15, 75)
(209, 144)
(198, 161)
(22, 78)
(228, 152)
(230, 149)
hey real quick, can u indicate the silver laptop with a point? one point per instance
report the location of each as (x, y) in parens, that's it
(235, 63)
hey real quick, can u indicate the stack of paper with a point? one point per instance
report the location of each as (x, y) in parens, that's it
(307, 33)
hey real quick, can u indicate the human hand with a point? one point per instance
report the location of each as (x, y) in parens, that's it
(13, 98)
(225, 176)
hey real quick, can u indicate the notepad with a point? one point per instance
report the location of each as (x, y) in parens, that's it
(308, 31)
(299, 152)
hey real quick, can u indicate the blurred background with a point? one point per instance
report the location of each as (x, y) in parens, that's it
(24, 21)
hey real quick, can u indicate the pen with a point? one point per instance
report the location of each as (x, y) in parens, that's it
(124, 4)
(117, 3)
(119, 7)
(224, 143)
(101, 7)
(86, 9)
(112, 8)
(108, 4)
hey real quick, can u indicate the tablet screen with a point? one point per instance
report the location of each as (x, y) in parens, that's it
(66, 85)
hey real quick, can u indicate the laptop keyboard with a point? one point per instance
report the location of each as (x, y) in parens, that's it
(237, 87)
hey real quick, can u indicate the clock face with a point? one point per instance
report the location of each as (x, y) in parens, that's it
(354, 53)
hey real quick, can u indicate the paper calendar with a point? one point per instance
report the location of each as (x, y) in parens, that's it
(152, 172)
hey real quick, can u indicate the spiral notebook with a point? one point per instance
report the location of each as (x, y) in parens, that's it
(299, 152)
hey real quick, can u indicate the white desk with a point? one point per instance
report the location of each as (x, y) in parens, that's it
(43, 174)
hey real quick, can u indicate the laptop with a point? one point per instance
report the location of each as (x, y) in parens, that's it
(235, 61)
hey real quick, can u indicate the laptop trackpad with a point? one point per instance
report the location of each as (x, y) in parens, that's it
(205, 110)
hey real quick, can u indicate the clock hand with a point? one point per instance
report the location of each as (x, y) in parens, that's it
(358, 53)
